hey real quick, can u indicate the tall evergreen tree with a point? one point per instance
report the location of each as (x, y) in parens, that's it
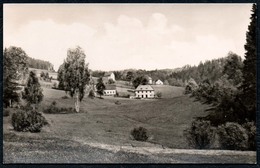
(249, 70)
(33, 91)
(100, 87)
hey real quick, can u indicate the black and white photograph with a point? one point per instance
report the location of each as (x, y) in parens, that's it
(128, 83)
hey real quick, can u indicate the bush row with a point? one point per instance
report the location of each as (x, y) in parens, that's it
(232, 136)
(53, 109)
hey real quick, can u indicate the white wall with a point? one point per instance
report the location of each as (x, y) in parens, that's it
(159, 82)
(109, 92)
(144, 94)
(112, 76)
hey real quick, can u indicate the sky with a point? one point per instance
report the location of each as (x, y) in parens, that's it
(123, 36)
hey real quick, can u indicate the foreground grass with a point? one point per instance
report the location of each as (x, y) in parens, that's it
(102, 121)
(28, 148)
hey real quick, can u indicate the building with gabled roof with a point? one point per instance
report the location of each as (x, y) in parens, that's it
(144, 91)
(110, 90)
(158, 82)
(107, 76)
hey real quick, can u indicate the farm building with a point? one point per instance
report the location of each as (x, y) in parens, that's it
(110, 90)
(108, 76)
(158, 82)
(144, 91)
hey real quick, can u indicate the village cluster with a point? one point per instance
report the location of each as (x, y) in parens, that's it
(142, 91)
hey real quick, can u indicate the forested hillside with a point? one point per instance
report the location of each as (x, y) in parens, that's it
(39, 64)
(209, 70)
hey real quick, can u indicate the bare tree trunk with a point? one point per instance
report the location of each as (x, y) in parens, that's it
(77, 102)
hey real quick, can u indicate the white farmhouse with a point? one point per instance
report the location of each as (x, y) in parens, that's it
(110, 90)
(158, 82)
(144, 91)
(108, 76)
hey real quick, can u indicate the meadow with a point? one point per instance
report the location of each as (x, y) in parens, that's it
(101, 124)
(101, 120)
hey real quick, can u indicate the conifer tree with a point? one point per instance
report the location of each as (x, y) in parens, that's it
(33, 91)
(249, 70)
(100, 87)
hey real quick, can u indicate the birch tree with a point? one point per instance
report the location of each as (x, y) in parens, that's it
(76, 75)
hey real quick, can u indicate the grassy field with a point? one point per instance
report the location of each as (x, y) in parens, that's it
(168, 91)
(104, 122)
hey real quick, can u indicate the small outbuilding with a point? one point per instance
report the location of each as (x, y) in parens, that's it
(158, 82)
(110, 90)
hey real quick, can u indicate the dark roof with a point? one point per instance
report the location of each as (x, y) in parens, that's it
(110, 87)
(144, 87)
(107, 74)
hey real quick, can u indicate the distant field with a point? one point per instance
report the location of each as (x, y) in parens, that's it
(168, 91)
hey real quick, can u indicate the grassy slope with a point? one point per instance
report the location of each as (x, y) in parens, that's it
(168, 91)
(105, 122)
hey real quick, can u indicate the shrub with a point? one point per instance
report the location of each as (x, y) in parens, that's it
(65, 97)
(25, 121)
(111, 81)
(55, 85)
(251, 133)
(6, 112)
(53, 109)
(139, 134)
(233, 136)
(91, 94)
(54, 103)
(200, 135)
(117, 102)
(191, 86)
(158, 94)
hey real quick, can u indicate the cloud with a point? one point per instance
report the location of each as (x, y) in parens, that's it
(127, 43)
(49, 41)
(130, 44)
(204, 48)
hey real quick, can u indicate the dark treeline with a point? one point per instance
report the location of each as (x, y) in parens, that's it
(210, 70)
(39, 64)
